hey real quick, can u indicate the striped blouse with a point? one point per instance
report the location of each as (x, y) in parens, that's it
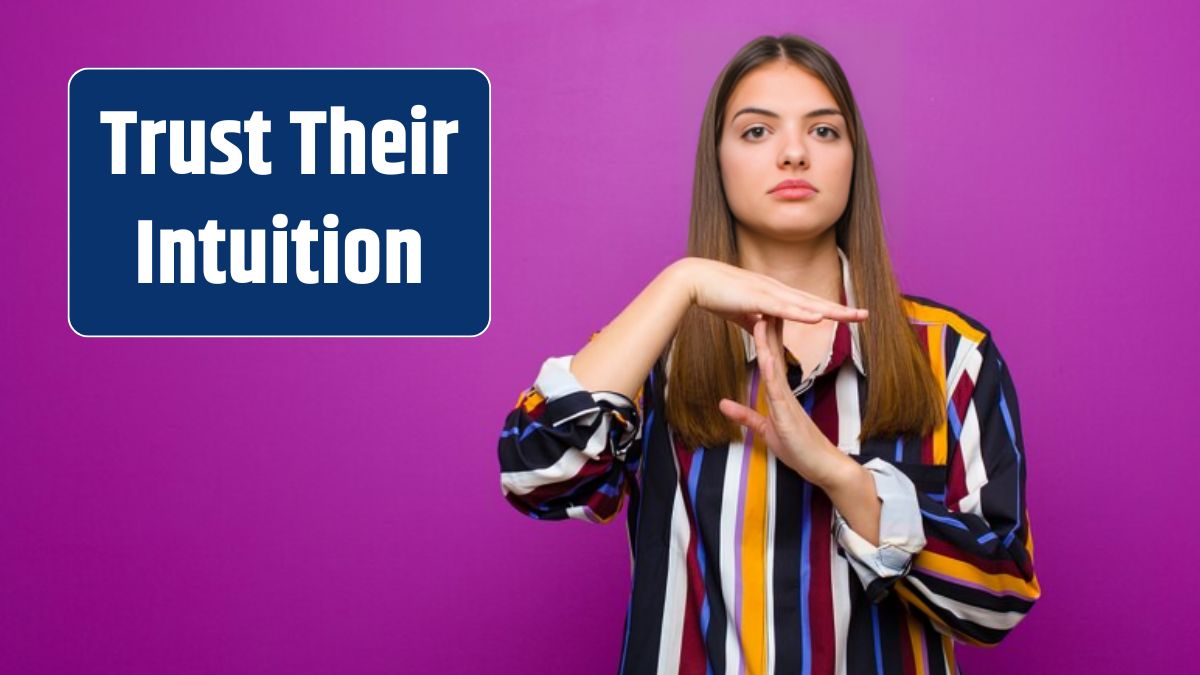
(741, 566)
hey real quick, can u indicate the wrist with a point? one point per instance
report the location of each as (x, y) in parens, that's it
(679, 276)
(844, 474)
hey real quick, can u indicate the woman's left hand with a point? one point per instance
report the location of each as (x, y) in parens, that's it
(789, 432)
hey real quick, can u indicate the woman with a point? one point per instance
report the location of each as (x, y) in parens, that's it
(824, 475)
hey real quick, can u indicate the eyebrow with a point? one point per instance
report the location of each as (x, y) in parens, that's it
(812, 113)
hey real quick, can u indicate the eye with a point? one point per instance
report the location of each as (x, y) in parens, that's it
(831, 130)
(757, 127)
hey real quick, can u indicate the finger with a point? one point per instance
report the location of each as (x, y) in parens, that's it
(840, 312)
(777, 337)
(759, 343)
(751, 419)
(747, 322)
(774, 337)
(796, 307)
(787, 306)
(784, 409)
(781, 365)
(772, 366)
(739, 413)
(825, 308)
(766, 358)
(761, 346)
(834, 310)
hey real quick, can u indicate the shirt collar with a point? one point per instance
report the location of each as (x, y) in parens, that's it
(845, 332)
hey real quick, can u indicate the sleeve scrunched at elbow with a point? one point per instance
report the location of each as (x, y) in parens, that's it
(566, 452)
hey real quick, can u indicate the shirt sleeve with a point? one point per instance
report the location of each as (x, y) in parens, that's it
(975, 577)
(566, 452)
(901, 532)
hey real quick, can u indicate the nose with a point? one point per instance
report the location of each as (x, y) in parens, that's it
(793, 153)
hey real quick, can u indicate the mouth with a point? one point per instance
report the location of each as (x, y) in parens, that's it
(793, 188)
(793, 193)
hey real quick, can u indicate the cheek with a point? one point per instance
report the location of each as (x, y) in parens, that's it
(845, 168)
(838, 173)
(737, 174)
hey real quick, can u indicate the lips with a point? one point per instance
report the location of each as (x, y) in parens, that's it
(792, 193)
(794, 184)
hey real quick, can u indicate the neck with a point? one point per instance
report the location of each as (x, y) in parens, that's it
(812, 266)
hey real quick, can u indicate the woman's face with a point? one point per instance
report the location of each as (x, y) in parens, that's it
(768, 137)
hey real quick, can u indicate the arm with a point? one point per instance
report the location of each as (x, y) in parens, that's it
(619, 357)
(569, 447)
(971, 565)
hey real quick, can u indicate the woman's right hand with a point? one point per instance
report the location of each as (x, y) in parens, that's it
(742, 296)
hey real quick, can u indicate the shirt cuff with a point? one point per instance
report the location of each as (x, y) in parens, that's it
(556, 380)
(901, 532)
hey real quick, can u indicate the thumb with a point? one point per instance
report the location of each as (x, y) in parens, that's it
(747, 417)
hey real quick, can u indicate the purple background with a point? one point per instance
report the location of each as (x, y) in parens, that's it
(333, 505)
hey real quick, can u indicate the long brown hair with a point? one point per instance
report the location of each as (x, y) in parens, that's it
(903, 396)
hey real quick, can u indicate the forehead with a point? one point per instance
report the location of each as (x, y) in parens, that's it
(781, 87)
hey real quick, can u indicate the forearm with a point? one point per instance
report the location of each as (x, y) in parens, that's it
(621, 355)
(852, 491)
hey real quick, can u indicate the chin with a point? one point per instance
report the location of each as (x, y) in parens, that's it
(793, 231)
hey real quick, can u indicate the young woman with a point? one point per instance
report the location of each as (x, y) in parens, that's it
(824, 475)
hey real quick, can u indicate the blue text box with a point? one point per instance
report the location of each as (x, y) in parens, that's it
(399, 212)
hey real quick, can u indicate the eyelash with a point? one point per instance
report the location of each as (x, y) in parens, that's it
(836, 135)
